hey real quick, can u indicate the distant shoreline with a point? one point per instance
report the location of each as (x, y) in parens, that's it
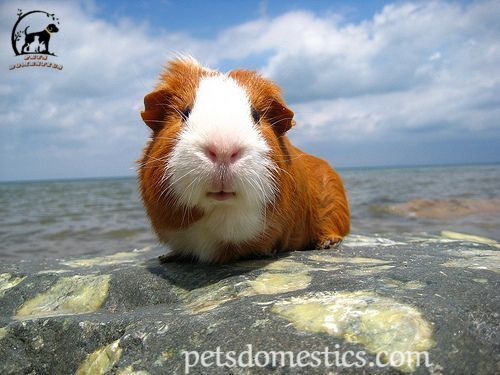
(417, 166)
(340, 169)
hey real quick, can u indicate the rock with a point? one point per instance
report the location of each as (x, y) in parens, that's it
(128, 314)
(446, 208)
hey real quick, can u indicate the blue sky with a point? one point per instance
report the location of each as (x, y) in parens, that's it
(371, 82)
(206, 18)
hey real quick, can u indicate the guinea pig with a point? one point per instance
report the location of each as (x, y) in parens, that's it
(219, 178)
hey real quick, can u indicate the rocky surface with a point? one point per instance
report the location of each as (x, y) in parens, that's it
(129, 314)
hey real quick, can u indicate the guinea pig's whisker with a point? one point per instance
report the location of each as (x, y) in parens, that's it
(163, 158)
(147, 166)
(249, 181)
(190, 195)
(278, 121)
(179, 113)
(185, 210)
(192, 182)
(288, 156)
(164, 180)
(255, 185)
(264, 221)
(184, 117)
(279, 169)
(143, 164)
(267, 109)
(147, 163)
(181, 177)
(188, 210)
(164, 191)
(260, 184)
(168, 138)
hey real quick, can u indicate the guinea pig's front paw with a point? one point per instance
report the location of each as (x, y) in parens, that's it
(330, 242)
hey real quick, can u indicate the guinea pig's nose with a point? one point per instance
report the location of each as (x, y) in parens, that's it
(223, 155)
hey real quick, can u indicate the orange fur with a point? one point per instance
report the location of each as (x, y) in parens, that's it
(311, 209)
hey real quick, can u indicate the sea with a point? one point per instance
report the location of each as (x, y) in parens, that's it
(63, 218)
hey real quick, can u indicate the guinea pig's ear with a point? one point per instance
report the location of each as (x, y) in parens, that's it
(156, 106)
(279, 116)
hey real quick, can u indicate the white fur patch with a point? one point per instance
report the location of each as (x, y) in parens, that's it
(221, 116)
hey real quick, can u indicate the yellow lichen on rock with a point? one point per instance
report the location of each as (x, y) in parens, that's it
(380, 324)
(52, 272)
(371, 270)
(283, 264)
(274, 283)
(8, 281)
(476, 259)
(69, 295)
(353, 260)
(209, 297)
(102, 360)
(164, 357)
(3, 332)
(468, 237)
(283, 275)
(364, 241)
(129, 370)
(108, 260)
(367, 266)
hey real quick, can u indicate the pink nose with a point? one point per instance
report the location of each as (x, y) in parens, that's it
(223, 155)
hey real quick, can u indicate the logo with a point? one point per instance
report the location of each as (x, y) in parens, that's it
(31, 38)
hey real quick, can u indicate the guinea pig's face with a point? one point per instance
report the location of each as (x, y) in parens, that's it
(213, 136)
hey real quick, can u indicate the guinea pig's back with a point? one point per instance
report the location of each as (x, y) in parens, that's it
(327, 191)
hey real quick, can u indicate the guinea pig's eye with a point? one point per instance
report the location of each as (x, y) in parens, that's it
(186, 112)
(255, 115)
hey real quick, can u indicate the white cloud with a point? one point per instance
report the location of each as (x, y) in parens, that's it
(421, 68)
(415, 65)
(91, 107)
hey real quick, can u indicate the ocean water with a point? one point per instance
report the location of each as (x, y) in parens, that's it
(103, 216)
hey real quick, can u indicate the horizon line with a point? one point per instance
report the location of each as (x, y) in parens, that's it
(395, 166)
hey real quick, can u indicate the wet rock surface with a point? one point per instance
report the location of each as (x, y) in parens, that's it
(129, 314)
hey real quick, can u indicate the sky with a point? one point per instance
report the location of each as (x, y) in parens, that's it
(372, 83)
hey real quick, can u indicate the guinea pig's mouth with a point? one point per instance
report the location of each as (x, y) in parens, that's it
(221, 195)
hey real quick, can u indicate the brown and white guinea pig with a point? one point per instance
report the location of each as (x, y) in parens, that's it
(219, 178)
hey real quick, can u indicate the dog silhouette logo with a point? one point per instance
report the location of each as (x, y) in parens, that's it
(33, 31)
